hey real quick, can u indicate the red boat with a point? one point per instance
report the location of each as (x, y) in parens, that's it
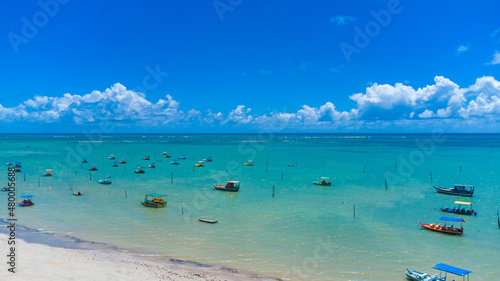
(444, 228)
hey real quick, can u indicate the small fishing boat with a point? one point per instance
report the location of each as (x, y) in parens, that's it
(209, 159)
(122, 162)
(146, 158)
(459, 211)
(84, 160)
(174, 162)
(326, 181)
(9, 164)
(112, 157)
(77, 193)
(155, 200)
(5, 189)
(165, 155)
(140, 170)
(115, 164)
(182, 158)
(152, 165)
(48, 173)
(457, 189)
(93, 168)
(199, 164)
(106, 182)
(444, 228)
(26, 202)
(18, 165)
(207, 220)
(230, 186)
(17, 170)
(419, 276)
(452, 270)
(289, 165)
(249, 163)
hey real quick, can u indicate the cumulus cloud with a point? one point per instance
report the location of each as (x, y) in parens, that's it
(496, 58)
(443, 103)
(342, 20)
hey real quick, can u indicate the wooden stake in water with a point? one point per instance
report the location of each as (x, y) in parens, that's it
(364, 170)
(182, 208)
(354, 209)
(273, 190)
(266, 164)
(171, 177)
(385, 183)
(460, 169)
(430, 175)
(24, 176)
(90, 176)
(281, 175)
(38, 181)
(126, 194)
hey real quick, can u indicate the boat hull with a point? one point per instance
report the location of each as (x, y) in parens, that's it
(465, 213)
(452, 191)
(419, 276)
(320, 183)
(154, 205)
(224, 188)
(207, 221)
(453, 231)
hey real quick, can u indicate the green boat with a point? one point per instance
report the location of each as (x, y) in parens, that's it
(155, 200)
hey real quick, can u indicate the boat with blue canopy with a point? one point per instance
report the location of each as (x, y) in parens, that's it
(453, 270)
(26, 202)
(460, 211)
(444, 228)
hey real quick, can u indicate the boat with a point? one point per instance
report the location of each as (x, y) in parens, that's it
(452, 270)
(106, 182)
(140, 170)
(165, 155)
(17, 170)
(444, 228)
(207, 220)
(9, 164)
(152, 165)
(174, 162)
(84, 160)
(249, 163)
(122, 162)
(209, 159)
(115, 164)
(48, 173)
(230, 186)
(77, 193)
(26, 202)
(459, 211)
(289, 165)
(18, 165)
(182, 158)
(155, 200)
(146, 158)
(326, 181)
(457, 189)
(5, 189)
(419, 276)
(93, 168)
(199, 164)
(112, 157)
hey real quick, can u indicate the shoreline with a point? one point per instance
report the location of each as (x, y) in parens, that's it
(52, 256)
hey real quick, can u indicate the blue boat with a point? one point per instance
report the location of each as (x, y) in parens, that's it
(451, 269)
(174, 162)
(182, 158)
(18, 165)
(459, 211)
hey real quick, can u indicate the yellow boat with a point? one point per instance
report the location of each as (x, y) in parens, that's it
(249, 163)
(199, 164)
(155, 200)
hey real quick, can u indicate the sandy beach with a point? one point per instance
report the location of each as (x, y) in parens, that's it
(42, 262)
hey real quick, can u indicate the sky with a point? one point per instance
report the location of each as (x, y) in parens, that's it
(223, 66)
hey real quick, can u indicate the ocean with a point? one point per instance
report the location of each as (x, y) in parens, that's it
(365, 226)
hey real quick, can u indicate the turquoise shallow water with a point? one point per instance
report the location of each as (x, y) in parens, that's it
(305, 232)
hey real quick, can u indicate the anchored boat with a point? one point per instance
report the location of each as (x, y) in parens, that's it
(26, 202)
(444, 228)
(155, 200)
(327, 181)
(48, 173)
(207, 220)
(139, 170)
(249, 163)
(199, 164)
(457, 189)
(77, 193)
(459, 211)
(230, 186)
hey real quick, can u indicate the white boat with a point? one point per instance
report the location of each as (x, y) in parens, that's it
(419, 276)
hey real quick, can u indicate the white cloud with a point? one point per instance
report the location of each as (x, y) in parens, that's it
(462, 49)
(342, 20)
(239, 116)
(496, 58)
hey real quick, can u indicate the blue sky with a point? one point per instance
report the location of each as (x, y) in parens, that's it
(245, 66)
